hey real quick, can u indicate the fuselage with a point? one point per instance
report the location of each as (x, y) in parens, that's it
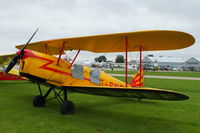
(57, 72)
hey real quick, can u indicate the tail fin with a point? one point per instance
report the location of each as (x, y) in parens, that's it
(138, 79)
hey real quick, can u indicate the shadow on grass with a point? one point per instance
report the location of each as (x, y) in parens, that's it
(128, 119)
(107, 114)
(112, 101)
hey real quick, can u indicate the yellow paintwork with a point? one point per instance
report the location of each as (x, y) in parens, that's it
(14, 72)
(33, 64)
(152, 40)
(39, 66)
(42, 65)
(5, 59)
(60, 75)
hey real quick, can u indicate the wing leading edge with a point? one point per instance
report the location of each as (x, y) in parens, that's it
(141, 93)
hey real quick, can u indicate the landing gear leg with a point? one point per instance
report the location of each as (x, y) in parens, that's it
(67, 107)
(40, 100)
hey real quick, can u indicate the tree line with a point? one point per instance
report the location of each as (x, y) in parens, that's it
(102, 58)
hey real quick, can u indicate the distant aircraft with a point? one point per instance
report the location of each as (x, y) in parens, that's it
(5, 60)
(38, 64)
(13, 74)
(85, 62)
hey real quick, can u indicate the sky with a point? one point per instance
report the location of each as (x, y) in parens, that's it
(71, 18)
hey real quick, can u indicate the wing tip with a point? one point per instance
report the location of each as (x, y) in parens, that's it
(182, 97)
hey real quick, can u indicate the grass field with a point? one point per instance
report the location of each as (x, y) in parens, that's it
(98, 114)
(161, 73)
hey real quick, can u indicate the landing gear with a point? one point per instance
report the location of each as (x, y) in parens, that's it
(66, 107)
(39, 101)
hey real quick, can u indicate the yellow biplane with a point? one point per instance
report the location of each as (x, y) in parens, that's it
(38, 64)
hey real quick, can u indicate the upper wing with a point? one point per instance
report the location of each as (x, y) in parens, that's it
(141, 93)
(149, 40)
(5, 59)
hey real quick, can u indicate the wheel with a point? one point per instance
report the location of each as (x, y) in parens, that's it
(67, 108)
(39, 101)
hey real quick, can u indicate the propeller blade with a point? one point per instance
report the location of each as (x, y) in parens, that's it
(18, 56)
(12, 63)
(29, 39)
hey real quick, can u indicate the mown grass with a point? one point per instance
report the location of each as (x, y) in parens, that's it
(99, 114)
(160, 73)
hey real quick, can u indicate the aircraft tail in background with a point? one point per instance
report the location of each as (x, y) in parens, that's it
(138, 79)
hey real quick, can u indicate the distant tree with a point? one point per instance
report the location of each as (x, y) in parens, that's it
(119, 59)
(96, 59)
(101, 59)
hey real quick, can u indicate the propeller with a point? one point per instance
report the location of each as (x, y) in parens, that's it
(19, 55)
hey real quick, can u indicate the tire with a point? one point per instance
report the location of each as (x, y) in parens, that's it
(39, 101)
(67, 108)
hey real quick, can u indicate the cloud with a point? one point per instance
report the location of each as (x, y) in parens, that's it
(69, 18)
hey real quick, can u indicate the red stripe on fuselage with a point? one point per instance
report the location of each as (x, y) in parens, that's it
(29, 53)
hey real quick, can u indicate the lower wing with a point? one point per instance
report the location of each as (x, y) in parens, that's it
(141, 93)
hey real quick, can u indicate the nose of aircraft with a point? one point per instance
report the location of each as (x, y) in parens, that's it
(19, 55)
(18, 52)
